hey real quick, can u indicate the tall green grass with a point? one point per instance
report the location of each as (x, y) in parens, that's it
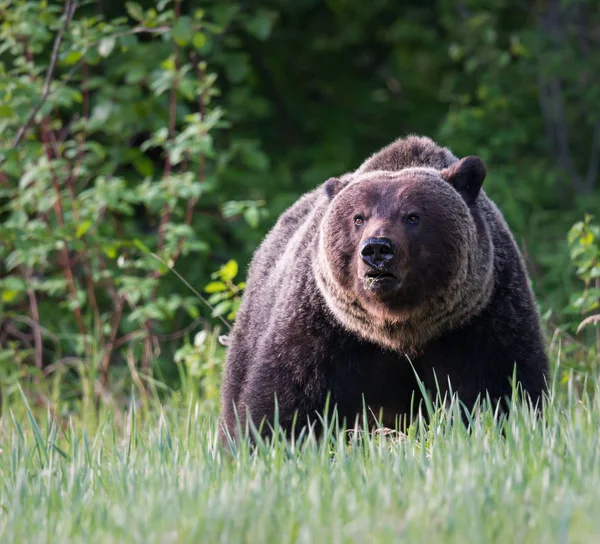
(162, 477)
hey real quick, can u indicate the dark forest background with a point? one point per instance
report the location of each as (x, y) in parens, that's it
(149, 144)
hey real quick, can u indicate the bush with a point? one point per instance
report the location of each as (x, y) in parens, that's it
(110, 178)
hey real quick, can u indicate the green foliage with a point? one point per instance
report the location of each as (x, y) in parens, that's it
(583, 310)
(108, 135)
(201, 363)
(584, 241)
(521, 97)
(576, 340)
(225, 295)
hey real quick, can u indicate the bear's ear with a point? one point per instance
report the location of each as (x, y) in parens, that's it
(333, 186)
(466, 176)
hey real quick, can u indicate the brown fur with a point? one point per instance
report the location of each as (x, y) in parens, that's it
(412, 151)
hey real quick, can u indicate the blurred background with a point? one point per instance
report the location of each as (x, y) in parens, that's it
(147, 147)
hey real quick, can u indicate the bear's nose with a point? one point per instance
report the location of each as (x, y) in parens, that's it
(376, 251)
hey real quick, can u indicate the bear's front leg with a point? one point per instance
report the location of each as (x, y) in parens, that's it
(279, 395)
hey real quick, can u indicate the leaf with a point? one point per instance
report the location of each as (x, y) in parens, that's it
(135, 11)
(192, 311)
(261, 25)
(232, 208)
(199, 40)
(92, 56)
(83, 228)
(168, 63)
(72, 58)
(217, 297)
(586, 239)
(143, 165)
(9, 296)
(215, 287)
(96, 148)
(183, 31)
(221, 308)
(229, 270)
(110, 251)
(39, 441)
(6, 111)
(106, 46)
(235, 306)
(252, 216)
(142, 247)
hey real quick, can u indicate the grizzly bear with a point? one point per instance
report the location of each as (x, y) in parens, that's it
(402, 269)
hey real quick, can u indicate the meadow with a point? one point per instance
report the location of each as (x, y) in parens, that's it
(159, 475)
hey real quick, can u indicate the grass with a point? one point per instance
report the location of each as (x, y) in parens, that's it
(161, 478)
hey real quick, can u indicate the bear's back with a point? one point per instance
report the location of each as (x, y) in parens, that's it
(409, 152)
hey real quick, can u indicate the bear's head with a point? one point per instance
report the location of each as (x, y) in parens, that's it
(404, 255)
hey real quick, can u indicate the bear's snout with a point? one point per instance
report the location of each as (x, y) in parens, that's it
(376, 252)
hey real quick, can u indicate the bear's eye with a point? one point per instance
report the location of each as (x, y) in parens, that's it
(412, 219)
(359, 220)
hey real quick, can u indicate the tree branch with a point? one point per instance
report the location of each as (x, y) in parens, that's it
(189, 214)
(166, 214)
(70, 7)
(35, 316)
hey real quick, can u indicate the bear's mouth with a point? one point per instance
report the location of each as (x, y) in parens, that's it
(378, 278)
(380, 275)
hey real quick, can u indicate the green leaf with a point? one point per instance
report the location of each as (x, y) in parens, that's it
(110, 251)
(221, 308)
(135, 11)
(252, 216)
(9, 296)
(229, 270)
(143, 165)
(39, 441)
(168, 63)
(106, 46)
(199, 40)
(183, 31)
(217, 297)
(96, 148)
(586, 239)
(215, 287)
(192, 311)
(142, 247)
(92, 56)
(72, 58)
(83, 228)
(261, 25)
(6, 111)
(235, 306)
